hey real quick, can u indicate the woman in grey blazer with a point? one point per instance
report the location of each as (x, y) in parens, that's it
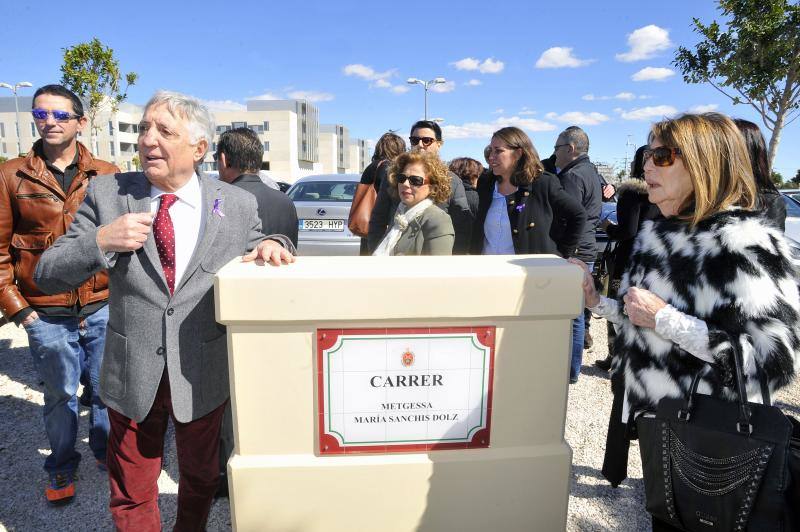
(419, 227)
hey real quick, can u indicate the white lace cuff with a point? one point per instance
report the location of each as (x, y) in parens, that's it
(690, 333)
(607, 308)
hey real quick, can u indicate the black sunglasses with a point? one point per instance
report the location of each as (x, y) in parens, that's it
(426, 141)
(58, 116)
(413, 180)
(662, 156)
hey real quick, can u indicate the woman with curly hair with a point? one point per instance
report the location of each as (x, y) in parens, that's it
(420, 180)
(710, 277)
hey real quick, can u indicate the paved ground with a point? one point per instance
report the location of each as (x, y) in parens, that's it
(593, 504)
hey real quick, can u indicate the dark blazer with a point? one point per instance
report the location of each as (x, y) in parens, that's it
(457, 207)
(582, 181)
(531, 211)
(277, 212)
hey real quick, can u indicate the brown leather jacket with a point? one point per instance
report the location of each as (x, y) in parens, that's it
(34, 212)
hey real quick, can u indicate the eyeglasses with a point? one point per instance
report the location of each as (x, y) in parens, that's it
(662, 156)
(413, 180)
(557, 146)
(58, 116)
(426, 141)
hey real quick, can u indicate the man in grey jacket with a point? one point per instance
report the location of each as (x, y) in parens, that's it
(426, 135)
(162, 234)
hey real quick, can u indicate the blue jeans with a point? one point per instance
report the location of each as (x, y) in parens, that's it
(62, 348)
(578, 332)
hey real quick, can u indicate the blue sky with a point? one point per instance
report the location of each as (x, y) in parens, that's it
(352, 59)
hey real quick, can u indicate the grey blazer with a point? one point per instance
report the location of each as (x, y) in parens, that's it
(148, 328)
(430, 233)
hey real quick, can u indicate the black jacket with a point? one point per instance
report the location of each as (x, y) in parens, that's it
(633, 209)
(456, 207)
(581, 181)
(472, 198)
(774, 207)
(531, 211)
(277, 212)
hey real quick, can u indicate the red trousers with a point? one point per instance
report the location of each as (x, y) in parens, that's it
(134, 464)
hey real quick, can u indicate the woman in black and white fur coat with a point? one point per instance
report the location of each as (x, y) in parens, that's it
(711, 272)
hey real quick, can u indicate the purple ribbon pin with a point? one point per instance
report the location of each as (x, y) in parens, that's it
(218, 208)
(520, 207)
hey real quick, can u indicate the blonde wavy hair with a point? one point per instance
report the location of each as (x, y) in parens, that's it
(435, 171)
(714, 153)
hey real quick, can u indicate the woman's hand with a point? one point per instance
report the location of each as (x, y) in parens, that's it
(590, 296)
(641, 307)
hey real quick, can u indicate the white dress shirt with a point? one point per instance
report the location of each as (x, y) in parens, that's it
(187, 220)
(497, 227)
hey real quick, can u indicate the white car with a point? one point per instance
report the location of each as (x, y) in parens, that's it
(792, 214)
(323, 206)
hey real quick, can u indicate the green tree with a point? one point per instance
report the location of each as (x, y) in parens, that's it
(3, 159)
(753, 60)
(91, 71)
(777, 178)
(137, 163)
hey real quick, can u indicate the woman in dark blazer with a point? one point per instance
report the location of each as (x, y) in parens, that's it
(518, 203)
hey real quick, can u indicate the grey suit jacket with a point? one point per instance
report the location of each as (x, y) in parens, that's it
(430, 233)
(148, 328)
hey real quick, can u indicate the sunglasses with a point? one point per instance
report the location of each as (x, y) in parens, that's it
(662, 156)
(58, 116)
(413, 180)
(426, 141)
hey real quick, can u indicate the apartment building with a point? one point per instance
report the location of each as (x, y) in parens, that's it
(289, 129)
(359, 156)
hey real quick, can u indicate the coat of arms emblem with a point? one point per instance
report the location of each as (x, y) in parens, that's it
(407, 358)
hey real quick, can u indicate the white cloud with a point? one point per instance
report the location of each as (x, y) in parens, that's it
(498, 111)
(653, 74)
(619, 96)
(487, 66)
(266, 96)
(703, 108)
(382, 84)
(645, 43)
(225, 105)
(484, 130)
(648, 113)
(560, 57)
(365, 72)
(447, 86)
(578, 118)
(311, 96)
(526, 111)
(399, 89)
(473, 83)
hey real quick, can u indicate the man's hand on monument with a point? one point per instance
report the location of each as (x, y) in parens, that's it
(127, 233)
(269, 251)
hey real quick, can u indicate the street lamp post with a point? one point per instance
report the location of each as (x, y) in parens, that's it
(426, 85)
(13, 88)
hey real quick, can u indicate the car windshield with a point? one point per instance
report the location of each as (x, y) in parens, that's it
(323, 191)
(792, 207)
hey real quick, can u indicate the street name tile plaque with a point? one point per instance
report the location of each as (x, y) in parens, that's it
(402, 390)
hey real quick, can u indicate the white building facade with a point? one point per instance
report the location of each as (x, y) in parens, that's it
(289, 129)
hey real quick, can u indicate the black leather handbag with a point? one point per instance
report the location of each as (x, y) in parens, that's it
(716, 465)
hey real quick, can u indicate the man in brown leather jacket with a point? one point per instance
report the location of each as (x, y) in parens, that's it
(39, 195)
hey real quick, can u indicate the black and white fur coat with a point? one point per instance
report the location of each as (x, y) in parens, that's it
(731, 270)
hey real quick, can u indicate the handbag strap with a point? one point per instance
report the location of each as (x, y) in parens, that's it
(743, 425)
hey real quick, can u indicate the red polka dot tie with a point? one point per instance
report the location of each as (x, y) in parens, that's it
(164, 233)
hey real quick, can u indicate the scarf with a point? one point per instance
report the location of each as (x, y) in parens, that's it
(401, 220)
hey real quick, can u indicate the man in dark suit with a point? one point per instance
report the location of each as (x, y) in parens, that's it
(162, 234)
(239, 153)
(238, 156)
